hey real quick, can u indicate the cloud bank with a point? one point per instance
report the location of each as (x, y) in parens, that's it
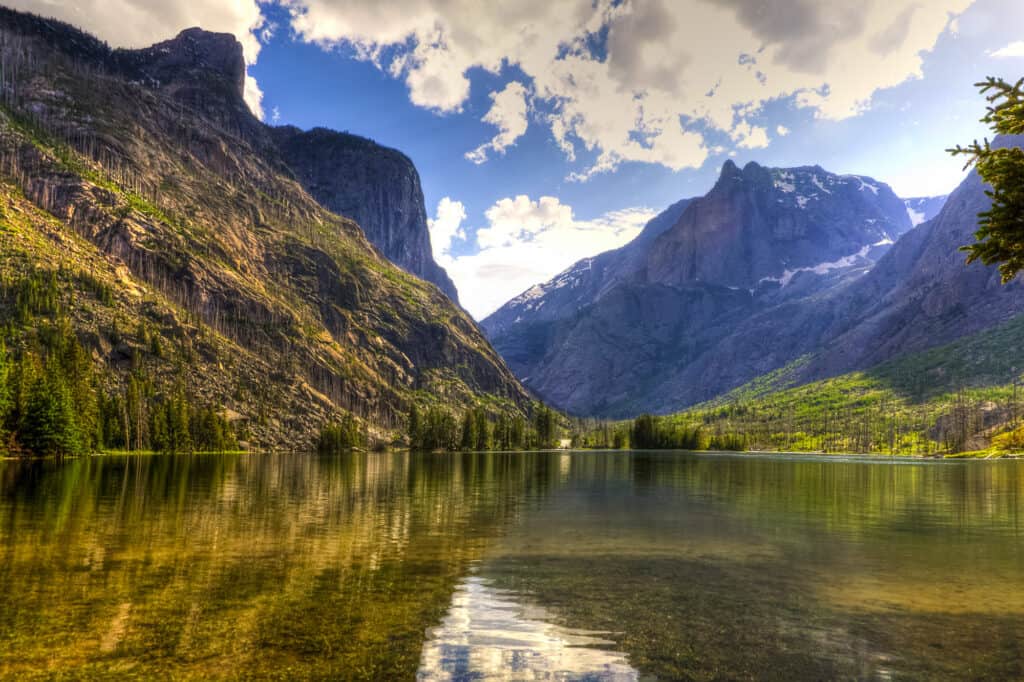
(641, 80)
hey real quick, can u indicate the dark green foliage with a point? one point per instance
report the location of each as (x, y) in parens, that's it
(47, 424)
(414, 428)
(483, 430)
(170, 430)
(728, 441)
(1000, 235)
(546, 426)
(339, 436)
(657, 433)
(36, 293)
(468, 431)
(141, 418)
(436, 429)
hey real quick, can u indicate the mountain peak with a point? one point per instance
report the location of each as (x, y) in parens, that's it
(195, 51)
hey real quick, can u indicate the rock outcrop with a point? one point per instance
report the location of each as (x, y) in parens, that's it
(377, 187)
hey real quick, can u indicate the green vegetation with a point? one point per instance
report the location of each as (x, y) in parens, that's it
(340, 436)
(55, 399)
(1000, 232)
(966, 396)
(438, 428)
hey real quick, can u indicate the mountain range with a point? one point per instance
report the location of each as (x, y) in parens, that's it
(286, 276)
(188, 244)
(770, 267)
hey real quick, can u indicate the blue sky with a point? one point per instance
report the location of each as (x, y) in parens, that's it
(545, 132)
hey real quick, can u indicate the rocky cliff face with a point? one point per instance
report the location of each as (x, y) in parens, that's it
(922, 293)
(761, 225)
(605, 336)
(377, 187)
(141, 183)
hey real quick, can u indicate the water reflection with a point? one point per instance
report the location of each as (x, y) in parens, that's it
(388, 566)
(488, 635)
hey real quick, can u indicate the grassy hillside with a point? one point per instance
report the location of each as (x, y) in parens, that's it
(950, 399)
(965, 396)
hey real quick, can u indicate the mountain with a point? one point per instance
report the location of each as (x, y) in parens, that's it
(581, 284)
(150, 218)
(702, 315)
(923, 209)
(377, 187)
(922, 293)
(604, 337)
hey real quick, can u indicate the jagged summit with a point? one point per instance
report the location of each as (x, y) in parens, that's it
(193, 53)
(376, 186)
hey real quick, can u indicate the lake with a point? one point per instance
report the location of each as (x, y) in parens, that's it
(582, 565)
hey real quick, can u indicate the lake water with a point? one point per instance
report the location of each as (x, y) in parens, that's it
(582, 565)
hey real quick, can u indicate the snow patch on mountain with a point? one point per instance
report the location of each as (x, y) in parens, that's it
(827, 267)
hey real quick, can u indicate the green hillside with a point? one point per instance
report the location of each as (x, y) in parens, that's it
(963, 397)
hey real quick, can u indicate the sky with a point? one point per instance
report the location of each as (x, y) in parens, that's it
(545, 132)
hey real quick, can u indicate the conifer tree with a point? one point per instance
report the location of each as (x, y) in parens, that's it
(48, 422)
(1000, 235)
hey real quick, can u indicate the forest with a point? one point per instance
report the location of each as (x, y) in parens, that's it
(54, 401)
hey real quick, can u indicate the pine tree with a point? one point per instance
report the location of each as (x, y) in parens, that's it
(415, 428)
(1000, 235)
(468, 431)
(48, 423)
(483, 435)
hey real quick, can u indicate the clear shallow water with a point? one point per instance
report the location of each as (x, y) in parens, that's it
(530, 566)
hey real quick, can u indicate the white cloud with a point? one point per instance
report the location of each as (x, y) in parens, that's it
(446, 227)
(1015, 49)
(664, 66)
(524, 242)
(750, 136)
(782, 130)
(253, 96)
(141, 23)
(509, 113)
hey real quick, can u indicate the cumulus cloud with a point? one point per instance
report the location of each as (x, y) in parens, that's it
(641, 80)
(525, 241)
(1015, 49)
(140, 23)
(509, 113)
(446, 226)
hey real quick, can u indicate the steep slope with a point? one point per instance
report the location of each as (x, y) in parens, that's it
(602, 337)
(377, 187)
(582, 284)
(185, 211)
(922, 293)
(958, 396)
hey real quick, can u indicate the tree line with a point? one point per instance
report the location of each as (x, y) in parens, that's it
(439, 428)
